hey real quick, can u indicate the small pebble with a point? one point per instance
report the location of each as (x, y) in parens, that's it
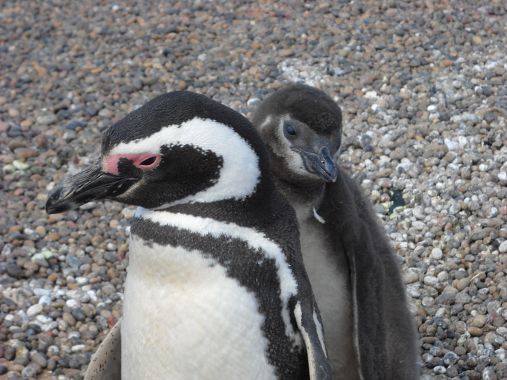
(475, 331)
(34, 310)
(436, 253)
(450, 358)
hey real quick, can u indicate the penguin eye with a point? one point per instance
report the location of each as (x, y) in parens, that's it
(148, 161)
(290, 129)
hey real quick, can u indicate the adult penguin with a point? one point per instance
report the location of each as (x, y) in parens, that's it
(355, 276)
(216, 287)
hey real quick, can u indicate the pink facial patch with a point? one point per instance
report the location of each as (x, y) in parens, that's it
(143, 161)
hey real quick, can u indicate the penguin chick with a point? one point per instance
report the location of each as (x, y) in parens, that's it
(216, 287)
(355, 277)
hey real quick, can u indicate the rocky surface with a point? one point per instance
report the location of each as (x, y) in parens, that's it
(423, 87)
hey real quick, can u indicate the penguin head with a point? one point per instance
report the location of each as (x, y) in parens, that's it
(302, 128)
(178, 148)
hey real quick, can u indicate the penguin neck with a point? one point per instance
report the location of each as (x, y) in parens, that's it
(304, 197)
(252, 211)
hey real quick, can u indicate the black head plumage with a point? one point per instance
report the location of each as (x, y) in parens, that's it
(172, 149)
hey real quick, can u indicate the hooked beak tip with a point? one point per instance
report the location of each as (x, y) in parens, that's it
(329, 175)
(56, 202)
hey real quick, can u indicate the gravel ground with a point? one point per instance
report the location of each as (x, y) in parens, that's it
(423, 87)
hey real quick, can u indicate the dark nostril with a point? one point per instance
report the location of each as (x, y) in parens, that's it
(148, 161)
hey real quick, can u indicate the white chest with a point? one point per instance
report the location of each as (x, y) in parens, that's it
(185, 318)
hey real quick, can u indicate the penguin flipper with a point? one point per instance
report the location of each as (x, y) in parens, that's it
(384, 331)
(106, 362)
(310, 327)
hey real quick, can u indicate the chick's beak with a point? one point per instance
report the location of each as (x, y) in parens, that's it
(321, 164)
(90, 184)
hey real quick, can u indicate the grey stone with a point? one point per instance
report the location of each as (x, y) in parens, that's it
(34, 310)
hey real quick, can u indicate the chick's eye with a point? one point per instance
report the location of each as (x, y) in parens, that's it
(290, 129)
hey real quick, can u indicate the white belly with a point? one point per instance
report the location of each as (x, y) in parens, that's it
(329, 277)
(184, 318)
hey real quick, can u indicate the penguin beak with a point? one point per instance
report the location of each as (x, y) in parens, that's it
(85, 186)
(321, 164)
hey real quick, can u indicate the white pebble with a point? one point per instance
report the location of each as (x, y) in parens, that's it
(413, 291)
(451, 144)
(430, 280)
(44, 320)
(89, 205)
(81, 280)
(427, 301)
(53, 350)
(92, 295)
(418, 212)
(436, 253)
(34, 310)
(49, 326)
(442, 276)
(440, 312)
(502, 330)
(127, 213)
(418, 225)
(72, 303)
(493, 211)
(371, 95)
(78, 347)
(503, 247)
(41, 292)
(252, 102)
(410, 276)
